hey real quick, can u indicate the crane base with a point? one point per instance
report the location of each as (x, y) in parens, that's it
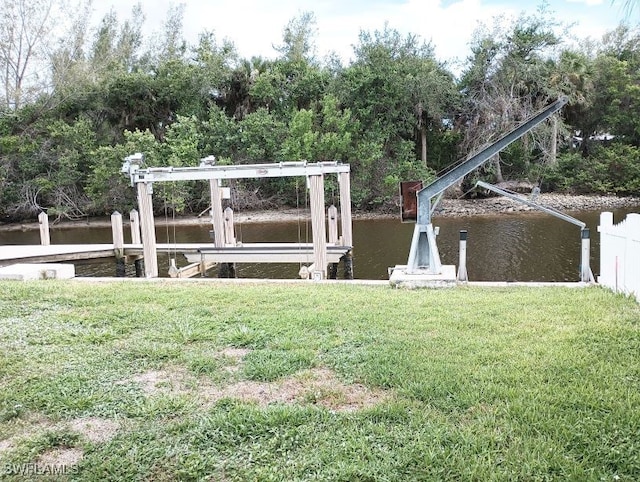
(399, 278)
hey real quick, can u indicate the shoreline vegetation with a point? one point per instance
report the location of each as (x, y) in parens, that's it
(449, 207)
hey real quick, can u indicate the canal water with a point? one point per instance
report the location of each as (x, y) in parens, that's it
(502, 247)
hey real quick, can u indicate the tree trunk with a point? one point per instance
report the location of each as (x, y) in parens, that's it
(553, 150)
(496, 162)
(423, 139)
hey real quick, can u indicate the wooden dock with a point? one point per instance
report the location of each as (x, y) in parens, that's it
(53, 253)
(194, 252)
(321, 256)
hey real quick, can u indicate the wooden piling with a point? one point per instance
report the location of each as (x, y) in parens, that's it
(332, 216)
(228, 270)
(145, 203)
(318, 227)
(229, 228)
(216, 213)
(347, 263)
(345, 208)
(117, 234)
(134, 220)
(43, 220)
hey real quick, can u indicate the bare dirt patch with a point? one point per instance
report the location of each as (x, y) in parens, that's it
(32, 424)
(234, 353)
(7, 445)
(235, 356)
(318, 386)
(170, 380)
(95, 429)
(66, 457)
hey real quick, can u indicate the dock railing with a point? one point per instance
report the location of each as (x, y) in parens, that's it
(620, 254)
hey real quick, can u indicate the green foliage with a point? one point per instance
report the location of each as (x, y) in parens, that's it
(613, 169)
(107, 187)
(260, 137)
(394, 113)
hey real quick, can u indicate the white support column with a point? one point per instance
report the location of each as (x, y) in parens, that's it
(345, 208)
(134, 219)
(43, 220)
(318, 226)
(332, 215)
(145, 203)
(229, 228)
(216, 213)
(462, 268)
(585, 257)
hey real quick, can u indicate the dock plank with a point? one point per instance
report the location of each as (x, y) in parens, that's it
(245, 253)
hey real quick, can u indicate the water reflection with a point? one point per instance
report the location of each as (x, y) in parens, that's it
(509, 247)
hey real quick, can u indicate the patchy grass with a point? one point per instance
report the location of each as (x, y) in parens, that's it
(202, 381)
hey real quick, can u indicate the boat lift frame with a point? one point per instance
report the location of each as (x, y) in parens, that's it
(143, 179)
(586, 275)
(424, 257)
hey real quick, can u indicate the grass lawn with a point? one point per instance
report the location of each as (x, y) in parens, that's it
(208, 381)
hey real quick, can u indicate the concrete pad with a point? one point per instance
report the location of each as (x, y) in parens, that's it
(37, 271)
(399, 278)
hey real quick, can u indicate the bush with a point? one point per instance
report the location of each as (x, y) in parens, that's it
(612, 169)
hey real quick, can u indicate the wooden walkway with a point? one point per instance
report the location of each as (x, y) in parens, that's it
(53, 253)
(195, 252)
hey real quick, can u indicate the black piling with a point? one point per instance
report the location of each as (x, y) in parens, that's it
(227, 270)
(139, 264)
(347, 263)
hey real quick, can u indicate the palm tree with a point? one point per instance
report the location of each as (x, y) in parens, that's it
(628, 6)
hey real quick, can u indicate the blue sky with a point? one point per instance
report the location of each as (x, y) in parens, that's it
(256, 25)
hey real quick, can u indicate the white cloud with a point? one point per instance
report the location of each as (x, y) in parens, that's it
(587, 2)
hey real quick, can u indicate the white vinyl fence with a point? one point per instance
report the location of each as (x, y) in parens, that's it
(620, 254)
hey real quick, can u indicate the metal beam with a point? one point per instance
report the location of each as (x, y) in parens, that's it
(553, 212)
(423, 254)
(450, 178)
(132, 168)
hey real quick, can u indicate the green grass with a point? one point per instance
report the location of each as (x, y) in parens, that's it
(479, 384)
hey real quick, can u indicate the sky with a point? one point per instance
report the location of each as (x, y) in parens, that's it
(255, 26)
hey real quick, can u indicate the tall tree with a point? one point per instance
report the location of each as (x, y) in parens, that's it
(507, 79)
(25, 26)
(298, 38)
(400, 95)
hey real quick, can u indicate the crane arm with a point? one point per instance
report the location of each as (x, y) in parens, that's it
(454, 175)
(424, 255)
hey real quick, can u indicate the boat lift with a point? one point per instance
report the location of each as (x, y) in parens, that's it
(424, 257)
(586, 275)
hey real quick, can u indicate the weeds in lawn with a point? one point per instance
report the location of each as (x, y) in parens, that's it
(318, 382)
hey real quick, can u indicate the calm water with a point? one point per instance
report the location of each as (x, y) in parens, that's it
(513, 247)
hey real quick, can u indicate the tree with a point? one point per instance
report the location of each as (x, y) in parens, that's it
(400, 95)
(616, 95)
(298, 38)
(26, 29)
(507, 80)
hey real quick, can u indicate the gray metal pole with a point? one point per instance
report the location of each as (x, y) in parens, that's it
(462, 269)
(585, 269)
